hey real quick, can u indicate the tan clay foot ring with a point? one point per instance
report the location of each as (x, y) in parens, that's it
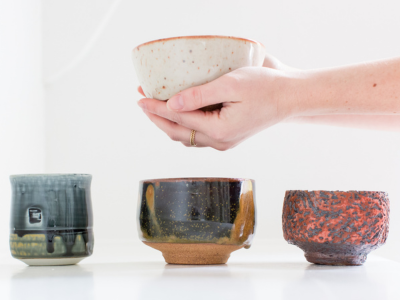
(194, 254)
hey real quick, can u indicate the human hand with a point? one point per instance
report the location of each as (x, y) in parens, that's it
(253, 99)
(364, 95)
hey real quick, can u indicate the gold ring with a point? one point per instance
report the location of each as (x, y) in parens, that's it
(192, 142)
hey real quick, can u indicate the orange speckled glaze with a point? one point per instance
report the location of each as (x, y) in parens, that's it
(168, 66)
(197, 37)
(335, 227)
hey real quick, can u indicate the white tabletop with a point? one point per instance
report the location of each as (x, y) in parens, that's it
(134, 271)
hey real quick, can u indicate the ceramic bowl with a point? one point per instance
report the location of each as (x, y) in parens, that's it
(334, 227)
(51, 218)
(168, 66)
(197, 220)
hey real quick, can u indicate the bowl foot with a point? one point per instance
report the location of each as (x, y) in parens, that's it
(194, 254)
(51, 261)
(335, 259)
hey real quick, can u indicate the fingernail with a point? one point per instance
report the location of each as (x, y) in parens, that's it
(142, 105)
(175, 103)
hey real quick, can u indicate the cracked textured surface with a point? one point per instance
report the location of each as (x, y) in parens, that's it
(335, 227)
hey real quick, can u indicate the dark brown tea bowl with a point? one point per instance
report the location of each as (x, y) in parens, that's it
(196, 220)
(335, 227)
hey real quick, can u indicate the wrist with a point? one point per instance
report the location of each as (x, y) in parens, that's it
(295, 101)
(314, 93)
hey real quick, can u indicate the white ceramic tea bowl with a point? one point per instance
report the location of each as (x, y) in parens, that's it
(168, 66)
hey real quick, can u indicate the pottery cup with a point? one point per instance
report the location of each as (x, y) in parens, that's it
(168, 66)
(51, 218)
(197, 220)
(334, 227)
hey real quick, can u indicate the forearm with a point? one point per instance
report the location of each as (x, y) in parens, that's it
(364, 89)
(373, 122)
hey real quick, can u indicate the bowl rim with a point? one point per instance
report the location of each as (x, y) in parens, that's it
(338, 191)
(198, 37)
(49, 175)
(205, 179)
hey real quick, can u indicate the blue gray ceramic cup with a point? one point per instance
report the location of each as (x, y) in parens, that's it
(51, 218)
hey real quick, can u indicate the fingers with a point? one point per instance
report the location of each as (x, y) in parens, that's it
(179, 133)
(214, 92)
(205, 122)
(140, 90)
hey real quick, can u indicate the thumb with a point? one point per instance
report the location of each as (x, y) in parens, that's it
(214, 92)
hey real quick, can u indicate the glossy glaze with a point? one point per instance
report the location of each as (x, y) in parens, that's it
(51, 216)
(335, 227)
(166, 67)
(197, 211)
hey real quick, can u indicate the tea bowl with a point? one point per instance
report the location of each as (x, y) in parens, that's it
(51, 218)
(336, 227)
(197, 220)
(168, 66)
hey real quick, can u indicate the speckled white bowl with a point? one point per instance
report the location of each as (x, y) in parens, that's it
(168, 66)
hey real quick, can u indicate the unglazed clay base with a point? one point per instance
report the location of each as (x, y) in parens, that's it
(51, 261)
(194, 254)
(335, 259)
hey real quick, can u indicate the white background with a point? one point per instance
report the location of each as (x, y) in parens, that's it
(22, 103)
(68, 102)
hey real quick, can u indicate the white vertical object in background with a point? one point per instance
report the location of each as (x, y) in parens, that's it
(21, 98)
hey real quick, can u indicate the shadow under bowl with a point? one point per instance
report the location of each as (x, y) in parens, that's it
(336, 227)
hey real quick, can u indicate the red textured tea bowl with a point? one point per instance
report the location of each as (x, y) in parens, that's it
(334, 227)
